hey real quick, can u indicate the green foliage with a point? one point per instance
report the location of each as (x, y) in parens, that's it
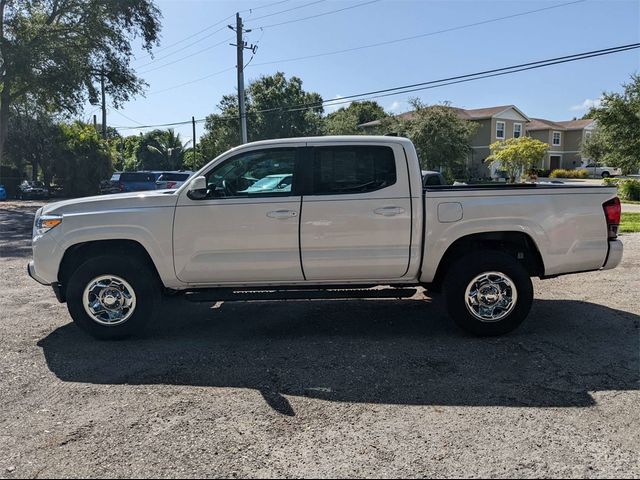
(618, 120)
(517, 155)
(82, 161)
(273, 93)
(594, 147)
(561, 173)
(345, 121)
(190, 164)
(441, 138)
(627, 189)
(53, 52)
(160, 150)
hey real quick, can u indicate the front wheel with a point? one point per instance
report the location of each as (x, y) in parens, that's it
(113, 297)
(605, 175)
(488, 294)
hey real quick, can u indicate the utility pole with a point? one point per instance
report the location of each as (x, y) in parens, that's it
(193, 124)
(241, 45)
(95, 122)
(104, 107)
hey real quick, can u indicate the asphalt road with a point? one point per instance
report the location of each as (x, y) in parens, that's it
(318, 388)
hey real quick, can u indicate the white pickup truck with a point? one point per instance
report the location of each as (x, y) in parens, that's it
(326, 217)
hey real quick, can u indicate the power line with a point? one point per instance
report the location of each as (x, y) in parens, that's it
(191, 82)
(223, 21)
(369, 2)
(422, 35)
(428, 84)
(289, 10)
(188, 56)
(157, 59)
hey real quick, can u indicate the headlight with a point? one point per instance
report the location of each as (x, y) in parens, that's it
(46, 223)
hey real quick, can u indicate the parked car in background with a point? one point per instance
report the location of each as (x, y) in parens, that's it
(172, 180)
(110, 186)
(137, 181)
(30, 190)
(3, 193)
(430, 177)
(596, 170)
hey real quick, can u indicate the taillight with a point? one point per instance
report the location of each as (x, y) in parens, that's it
(612, 212)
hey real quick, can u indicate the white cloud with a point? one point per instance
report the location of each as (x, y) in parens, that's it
(395, 107)
(332, 107)
(587, 104)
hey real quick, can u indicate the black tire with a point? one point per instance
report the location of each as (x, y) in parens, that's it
(605, 175)
(136, 273)
(465, 270)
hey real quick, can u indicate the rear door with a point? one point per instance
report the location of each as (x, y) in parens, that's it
(356, 222)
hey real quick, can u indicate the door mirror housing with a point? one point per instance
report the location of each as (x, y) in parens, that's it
(198, 188)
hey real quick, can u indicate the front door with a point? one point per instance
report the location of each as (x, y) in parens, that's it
(245, 229)
(554, 161)
(356, 221)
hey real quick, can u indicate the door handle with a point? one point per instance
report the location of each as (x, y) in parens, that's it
(389, 211)
(282, 214)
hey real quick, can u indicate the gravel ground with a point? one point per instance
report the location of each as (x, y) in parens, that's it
(321, 389)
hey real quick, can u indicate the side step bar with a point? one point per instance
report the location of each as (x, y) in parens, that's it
(234, 295)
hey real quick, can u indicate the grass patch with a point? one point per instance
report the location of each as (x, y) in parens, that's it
(630, 223)
(635, 202)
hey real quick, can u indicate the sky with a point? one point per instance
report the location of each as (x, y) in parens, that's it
(559, 92)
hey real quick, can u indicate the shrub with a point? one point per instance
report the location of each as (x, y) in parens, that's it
(561, 173)
(629, 189)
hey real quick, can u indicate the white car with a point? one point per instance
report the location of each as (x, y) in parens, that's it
(596, 170)
(353, 215)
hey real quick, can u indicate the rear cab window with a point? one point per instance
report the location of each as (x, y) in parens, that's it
(339, 170)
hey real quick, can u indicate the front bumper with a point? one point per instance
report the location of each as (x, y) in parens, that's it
(31, 270)
(57, 287)
(614, 257)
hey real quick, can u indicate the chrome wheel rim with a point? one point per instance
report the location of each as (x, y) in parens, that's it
(109, 300)
(491, 296)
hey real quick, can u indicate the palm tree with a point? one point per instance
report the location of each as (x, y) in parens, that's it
(170, 147)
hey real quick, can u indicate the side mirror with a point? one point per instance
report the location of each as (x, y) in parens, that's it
(198, 188)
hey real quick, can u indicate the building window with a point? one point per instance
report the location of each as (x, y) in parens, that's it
(556, 139)
(517, 130)
(500, 130)
(587, 135)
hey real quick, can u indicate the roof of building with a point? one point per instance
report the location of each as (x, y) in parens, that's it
(473, 114)
(542, 124)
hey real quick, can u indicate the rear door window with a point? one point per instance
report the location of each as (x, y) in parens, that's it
(352, 169)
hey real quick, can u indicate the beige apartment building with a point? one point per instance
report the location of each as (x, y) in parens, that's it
(508, 121)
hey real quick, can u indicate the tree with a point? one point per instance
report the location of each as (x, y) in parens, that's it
(345, 121)
(594, 147)
(171, 150)
(618, 121)
(274, 110)
(442, 139)
(516, 155)
(160, 150)
(83, 160)
(33, 139)
(53, 52)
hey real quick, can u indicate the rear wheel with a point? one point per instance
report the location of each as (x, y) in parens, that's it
(605, 175)
(488, 293)
(113, 297)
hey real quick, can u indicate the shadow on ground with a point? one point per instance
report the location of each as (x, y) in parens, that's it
(387, 352)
